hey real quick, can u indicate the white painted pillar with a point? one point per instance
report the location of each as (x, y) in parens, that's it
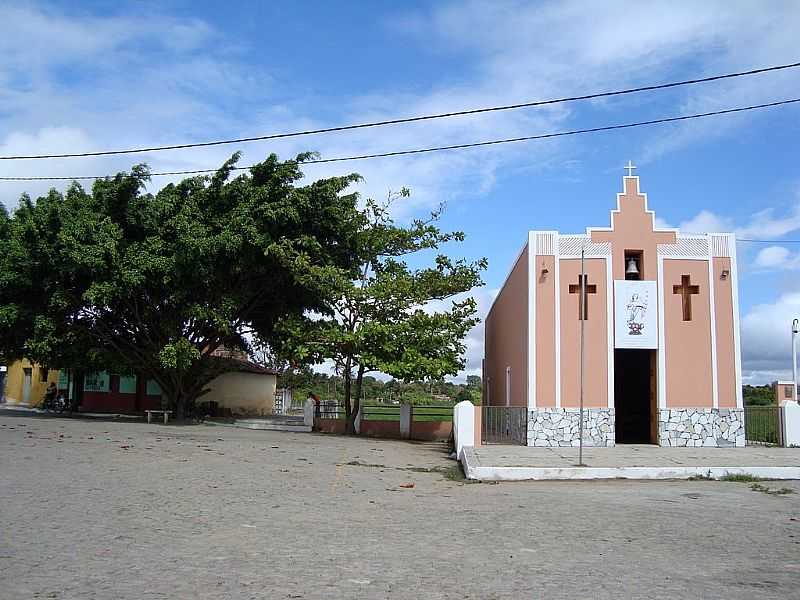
(405, 420)
(790, 423)
(308, 413)
(463, 426)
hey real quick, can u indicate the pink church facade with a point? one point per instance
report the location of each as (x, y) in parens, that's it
(661, 334)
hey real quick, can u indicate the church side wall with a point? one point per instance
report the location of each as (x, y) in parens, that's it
(723, 315)
(689, 417)
(545, 331)
(506, 339)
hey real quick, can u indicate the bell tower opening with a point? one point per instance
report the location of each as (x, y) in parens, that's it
(634, 265)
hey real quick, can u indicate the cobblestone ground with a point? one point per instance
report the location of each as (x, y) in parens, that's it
(95, 509)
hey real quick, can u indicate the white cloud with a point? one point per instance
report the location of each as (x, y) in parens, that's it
(574, 46)
(766, 339)
(205, 87)
(767, 224)
(706, 222)
(775, 257)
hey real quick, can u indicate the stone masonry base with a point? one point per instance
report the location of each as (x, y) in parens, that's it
(677, 427)
(549, 427)
(696, 427)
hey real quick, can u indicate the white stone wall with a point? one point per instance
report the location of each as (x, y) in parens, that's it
(696, 427)
(549, 427)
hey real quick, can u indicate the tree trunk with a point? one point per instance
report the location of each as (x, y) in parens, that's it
(353, 404)
(357, 402)
(350, 416)
(180, 397)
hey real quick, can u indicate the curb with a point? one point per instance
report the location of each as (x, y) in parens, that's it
(472, 470)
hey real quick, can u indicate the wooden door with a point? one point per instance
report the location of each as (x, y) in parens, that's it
(654, 396)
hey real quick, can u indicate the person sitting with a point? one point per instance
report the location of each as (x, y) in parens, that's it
(50, 396)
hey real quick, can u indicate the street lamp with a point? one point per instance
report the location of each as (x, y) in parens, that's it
(795, 330)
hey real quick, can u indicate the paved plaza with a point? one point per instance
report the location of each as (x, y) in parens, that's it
(123, 510)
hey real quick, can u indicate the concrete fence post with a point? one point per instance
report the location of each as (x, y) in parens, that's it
(463, 426)
(308, 413)
(405, 421)
(790, 423)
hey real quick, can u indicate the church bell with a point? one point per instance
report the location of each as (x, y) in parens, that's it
(632, 268)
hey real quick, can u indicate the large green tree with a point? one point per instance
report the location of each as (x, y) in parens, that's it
(392, 317)
(156, 283)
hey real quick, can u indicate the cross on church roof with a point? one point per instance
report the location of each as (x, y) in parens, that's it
(630, 168)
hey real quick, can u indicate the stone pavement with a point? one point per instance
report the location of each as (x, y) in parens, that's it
(502, 462)
(119, 510)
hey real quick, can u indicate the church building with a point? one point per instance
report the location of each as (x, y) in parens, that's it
(660, 316)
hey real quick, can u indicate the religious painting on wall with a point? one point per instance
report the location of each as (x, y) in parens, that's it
(635, 314)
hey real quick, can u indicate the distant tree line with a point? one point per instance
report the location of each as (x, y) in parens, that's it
(758, 395)
(376, 391)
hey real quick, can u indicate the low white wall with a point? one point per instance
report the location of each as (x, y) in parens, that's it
(250, 394)
(463, 426)
(791, 423)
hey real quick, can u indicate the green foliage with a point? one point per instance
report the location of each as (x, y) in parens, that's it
(390, 317)
(463, 396)
(179, 355)
(374, 391)
(740, 478)
(757, 487)
(758, 395)
(156, 283)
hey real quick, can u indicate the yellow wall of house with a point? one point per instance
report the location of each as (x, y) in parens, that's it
(249, 394)
(15, 382)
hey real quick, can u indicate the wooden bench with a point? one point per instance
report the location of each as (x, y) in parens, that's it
(166, 414)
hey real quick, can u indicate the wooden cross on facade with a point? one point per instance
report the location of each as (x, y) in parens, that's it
(583, 300)
(686, 290)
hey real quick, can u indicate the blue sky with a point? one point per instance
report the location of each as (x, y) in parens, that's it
(99, 75)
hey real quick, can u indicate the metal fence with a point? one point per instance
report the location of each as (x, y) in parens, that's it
(330, 409)
(762, 424)
(504, 425)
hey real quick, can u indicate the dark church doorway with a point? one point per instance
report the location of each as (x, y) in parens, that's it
(635, 396)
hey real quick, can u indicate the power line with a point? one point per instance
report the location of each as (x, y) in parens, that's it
(452, 147)
(767, 241)
(473, 111)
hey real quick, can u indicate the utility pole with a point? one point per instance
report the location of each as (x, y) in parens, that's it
(583, 322)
